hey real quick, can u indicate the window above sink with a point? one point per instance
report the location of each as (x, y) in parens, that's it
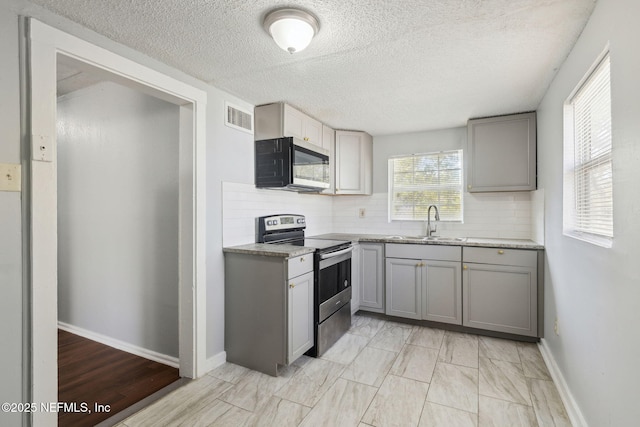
(420, 180)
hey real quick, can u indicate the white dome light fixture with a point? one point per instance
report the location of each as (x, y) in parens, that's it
(292, 29)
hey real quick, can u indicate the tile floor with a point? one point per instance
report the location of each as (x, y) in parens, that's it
(381, 373)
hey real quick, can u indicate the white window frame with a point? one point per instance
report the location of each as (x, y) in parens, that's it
(418, 187)
(588, 213)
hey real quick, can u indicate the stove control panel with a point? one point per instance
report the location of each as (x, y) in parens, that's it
(278, 223)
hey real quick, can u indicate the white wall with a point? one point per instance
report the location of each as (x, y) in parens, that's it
(503, 215)
(595, 292)
(228, 153)
(11, 302)
(118, 215)
(229, 158)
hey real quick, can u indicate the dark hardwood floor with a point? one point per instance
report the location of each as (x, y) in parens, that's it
(93, 374)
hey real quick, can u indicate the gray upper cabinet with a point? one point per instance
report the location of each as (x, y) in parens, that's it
(329, 144)
(502, 153)
(371, 277)
(302, 126)
(280, 119)
(354, 162)
(500, 290)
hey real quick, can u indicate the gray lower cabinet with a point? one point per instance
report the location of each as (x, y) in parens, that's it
(371, 277)
(404, 287)
(500, 290)
(300, 315)
(355, 278)
(442, 292)
(268, 310)
(427, 286)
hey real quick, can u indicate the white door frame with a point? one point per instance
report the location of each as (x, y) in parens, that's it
(45, 43)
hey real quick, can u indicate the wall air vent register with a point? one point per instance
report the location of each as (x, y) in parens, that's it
(238, 118)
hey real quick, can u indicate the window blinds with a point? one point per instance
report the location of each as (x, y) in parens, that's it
(588, 169)
(420, 180)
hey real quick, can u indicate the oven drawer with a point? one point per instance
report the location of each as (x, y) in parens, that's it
(333, 304)
(300, 265)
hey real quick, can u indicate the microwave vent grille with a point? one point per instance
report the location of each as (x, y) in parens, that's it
(238, 118)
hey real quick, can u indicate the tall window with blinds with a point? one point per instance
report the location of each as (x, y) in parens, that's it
(421, 180)
(588, 177)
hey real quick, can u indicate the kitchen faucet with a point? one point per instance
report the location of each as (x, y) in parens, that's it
(437, 218)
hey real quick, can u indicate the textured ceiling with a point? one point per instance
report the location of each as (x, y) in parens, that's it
(382, 66)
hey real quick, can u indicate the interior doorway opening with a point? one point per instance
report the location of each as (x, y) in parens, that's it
(118, 227)
(46, 46)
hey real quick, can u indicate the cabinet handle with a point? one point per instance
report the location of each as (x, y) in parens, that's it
(291, 285)
(469, 186)
(500, 252)
(464, 267)
(306, 138)
(301, 259)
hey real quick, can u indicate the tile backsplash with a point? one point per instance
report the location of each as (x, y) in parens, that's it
(243, 203)
(496, 215)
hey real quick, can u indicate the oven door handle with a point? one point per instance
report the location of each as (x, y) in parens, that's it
(336, 253)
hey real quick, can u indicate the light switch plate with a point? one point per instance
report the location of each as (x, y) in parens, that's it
(10, 177)
(42, 148)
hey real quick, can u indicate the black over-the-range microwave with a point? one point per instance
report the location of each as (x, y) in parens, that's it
(291, 164)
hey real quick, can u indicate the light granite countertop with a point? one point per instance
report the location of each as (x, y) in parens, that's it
(265, 249)
(467, 241)
(290, 251)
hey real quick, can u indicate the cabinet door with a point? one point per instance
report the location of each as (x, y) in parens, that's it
(293, 122)
(329, 144)
(300, 316)
(354, 159)
(372, 277)
(404, 287)
(502, 153)
(299, 125)
(313, 131)
(500, 298)
(356, 278)
(442, 292)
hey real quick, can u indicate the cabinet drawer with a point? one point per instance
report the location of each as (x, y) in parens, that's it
(433, 252)
(499, 256)
(299, 265)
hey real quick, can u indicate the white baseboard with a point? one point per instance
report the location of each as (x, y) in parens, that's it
(570, 404)
(121, 345)
(213, 362)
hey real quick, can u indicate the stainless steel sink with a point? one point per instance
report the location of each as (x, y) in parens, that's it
(429, 239)
(445, 239)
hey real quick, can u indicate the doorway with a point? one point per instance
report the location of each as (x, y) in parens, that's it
(117, 206)
(46, 46)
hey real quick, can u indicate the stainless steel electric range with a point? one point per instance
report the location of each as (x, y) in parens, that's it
(332, 275)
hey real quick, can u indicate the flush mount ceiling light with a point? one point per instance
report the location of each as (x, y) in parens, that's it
(292, 29)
